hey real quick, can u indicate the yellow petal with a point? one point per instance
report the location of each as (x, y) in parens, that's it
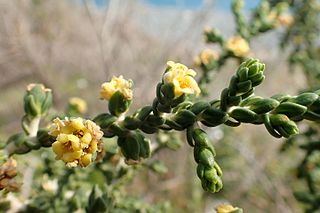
(58, 148)
(63, 138)
(71, 156)
(73, 138)
(93, 147)
(86, 160)
(86, 138)
(77, 124)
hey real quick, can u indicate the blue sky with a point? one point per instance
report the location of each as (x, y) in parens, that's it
(191, 4)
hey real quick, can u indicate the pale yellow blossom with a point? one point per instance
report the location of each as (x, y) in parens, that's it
(79, 104)
(182, 78)
(77, 140)
(238, 46)
(226, 208)
(116, 84)
(285, 20)
(205, 57)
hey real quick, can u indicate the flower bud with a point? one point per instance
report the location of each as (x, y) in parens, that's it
(206, 57)
(98, 202)
(238, 46)
(76, 106)
(37, 100)
(119, 94)
(135, 147)
(283, 125)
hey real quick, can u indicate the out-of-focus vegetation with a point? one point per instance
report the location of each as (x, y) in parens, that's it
(73, 47)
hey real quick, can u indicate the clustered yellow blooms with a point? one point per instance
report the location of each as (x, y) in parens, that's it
(205, 57)
(182, 78)
(226, 208)
(79, 104)
(77, 140)
(285, 20)
(238, 46)
(7, 172)
(116, 84)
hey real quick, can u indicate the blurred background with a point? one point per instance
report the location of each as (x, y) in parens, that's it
(73, 46)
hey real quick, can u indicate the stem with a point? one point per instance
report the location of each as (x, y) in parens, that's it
(34, 126)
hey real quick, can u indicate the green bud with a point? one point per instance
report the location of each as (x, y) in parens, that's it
(37, 100)
(175, 102)
(198, 107)
(205, 157)
(98, 202)
(118, 104)
(44, 139)
(174, 125)
(243, 74)
(257, 78)
(167, 90)
(283, 125)
(312, 116)
(202, 140)
(148, 129)
(291, 109)
(250, 101)
(281, 97)
(200, 170)
(16, 144)
(131, 123)
(144, 112)
(155, 121)
(104, 120)
(185, 118)
(144, 147)
(243, 115)
(134, 147)
(130, 148)
(213, 117)
(262, 106)
(305, 99)
(234, 100)
(243, 87)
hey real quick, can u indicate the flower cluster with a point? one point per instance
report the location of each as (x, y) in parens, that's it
(77, 140)
(116, 84)
(238, 46)
(285, 20)
(206, 57)
(7, 172)
(79, 104)
(182, 79)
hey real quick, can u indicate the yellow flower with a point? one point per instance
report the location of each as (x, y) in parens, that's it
(79, 104)
(116, 84)
(226, 208)
(77, 140)
(238, 46)
(285, 20)
(182, 79)
(205, 57)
